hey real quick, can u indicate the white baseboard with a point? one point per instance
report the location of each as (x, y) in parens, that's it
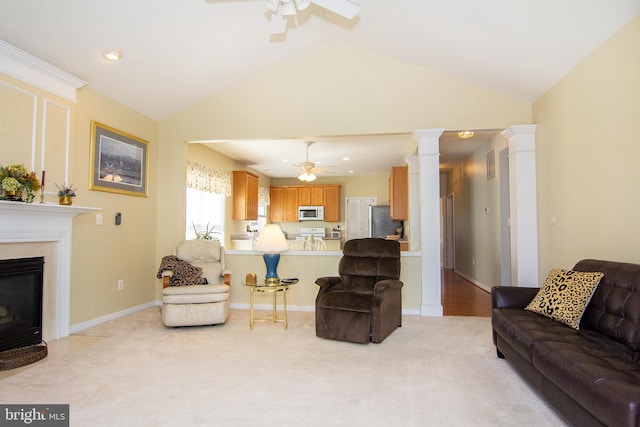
(431, 310)
(238, 306)
(95, 322)
(475, 282)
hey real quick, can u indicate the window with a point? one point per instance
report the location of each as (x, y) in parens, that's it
(207, 191)
(205, 212)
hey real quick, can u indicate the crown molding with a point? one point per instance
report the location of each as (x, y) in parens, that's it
(34, 71)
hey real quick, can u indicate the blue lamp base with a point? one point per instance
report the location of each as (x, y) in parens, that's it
(271, 261)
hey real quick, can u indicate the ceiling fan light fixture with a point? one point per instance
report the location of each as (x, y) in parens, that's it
(465, 134)
(307, 177)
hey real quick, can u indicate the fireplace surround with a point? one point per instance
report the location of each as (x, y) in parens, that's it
(32, 230)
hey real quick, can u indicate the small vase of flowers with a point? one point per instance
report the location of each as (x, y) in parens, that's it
(17, 184)
(66, 193)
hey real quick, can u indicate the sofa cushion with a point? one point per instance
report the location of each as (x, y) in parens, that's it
(597, 372)
(195, 294)
(614, 309)
(565, 295)
(360, 301)
(522, 329)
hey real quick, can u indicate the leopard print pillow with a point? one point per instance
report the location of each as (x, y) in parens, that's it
(565, 295)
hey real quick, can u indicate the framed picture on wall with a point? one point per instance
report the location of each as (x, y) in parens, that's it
(119, 161)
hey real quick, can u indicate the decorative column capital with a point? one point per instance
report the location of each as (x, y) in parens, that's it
(428, 141)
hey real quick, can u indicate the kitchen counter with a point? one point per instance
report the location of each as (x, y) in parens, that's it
(244, 242)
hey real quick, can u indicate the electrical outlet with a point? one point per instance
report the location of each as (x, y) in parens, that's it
(120, 284)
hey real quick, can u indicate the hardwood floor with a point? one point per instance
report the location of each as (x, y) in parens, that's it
(462, 298)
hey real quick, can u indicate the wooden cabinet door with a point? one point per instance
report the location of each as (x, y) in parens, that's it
(245, 195)
(332, 203)
(316, 195)
(291, 204)
(252, 197)
(304, 196)
(399, 192)
(276, 208)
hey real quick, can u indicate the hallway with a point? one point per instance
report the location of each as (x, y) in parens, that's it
(462, 298)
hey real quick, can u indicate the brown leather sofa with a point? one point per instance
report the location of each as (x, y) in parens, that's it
(592, 375)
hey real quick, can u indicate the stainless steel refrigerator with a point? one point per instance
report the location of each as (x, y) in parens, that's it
(381, 224)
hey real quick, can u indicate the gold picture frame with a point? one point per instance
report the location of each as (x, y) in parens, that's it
(119, 162)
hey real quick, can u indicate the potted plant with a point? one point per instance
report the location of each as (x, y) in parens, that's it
(206, 234)
(15, 180)
(66, 193)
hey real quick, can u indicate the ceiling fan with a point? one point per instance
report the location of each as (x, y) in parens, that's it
(282, 9)
(308, 170)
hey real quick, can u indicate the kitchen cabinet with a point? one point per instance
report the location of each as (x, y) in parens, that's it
(276, 208)
(332, 203)
(291, 204)
(311, 195)
(245, 195)
(286, 199)
(399, 192)
(284, 204)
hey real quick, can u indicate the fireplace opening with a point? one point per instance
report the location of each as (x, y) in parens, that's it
(21, 282)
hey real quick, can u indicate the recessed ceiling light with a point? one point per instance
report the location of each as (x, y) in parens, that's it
(285, 160)
(351, 171)
(113, 55)
(465, 134)
(345, 158)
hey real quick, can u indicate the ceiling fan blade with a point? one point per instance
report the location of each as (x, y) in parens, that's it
(345, 8)
(278, 24)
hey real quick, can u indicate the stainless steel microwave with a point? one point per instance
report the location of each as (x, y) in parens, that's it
(310, 213)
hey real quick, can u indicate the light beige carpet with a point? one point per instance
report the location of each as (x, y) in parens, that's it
(135, 372)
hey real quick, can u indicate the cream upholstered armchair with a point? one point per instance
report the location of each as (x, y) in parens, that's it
(187, 300)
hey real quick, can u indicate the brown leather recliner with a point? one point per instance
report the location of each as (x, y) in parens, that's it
(364, 303)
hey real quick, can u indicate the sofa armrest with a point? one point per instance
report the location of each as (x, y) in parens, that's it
(512, 296)
(328, 282)
(385, 285)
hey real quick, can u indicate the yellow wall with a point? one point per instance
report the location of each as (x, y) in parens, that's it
(101, 255)
(104, 254)
(587, 157)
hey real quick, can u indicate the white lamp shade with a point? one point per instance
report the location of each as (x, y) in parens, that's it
(271, 239)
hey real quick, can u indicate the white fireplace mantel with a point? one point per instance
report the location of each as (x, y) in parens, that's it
(35, 222)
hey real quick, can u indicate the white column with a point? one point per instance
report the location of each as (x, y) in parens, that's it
(429, 197)
(414, 228)
(523, 209)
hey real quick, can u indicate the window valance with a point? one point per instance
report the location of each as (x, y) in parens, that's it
(206, 179)
(264, 197)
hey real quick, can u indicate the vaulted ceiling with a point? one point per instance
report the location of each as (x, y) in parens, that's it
(177, 53)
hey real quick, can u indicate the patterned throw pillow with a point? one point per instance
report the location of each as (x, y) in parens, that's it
(565, 295)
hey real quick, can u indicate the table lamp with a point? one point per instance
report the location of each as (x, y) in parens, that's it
(271, 241)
